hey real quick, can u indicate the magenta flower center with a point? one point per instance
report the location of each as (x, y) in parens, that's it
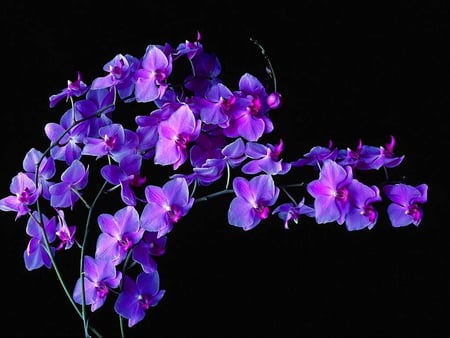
(144, 302)
(160, 75)
(110, 141)
(24, 196)
(102, 290)
(341, 194)
(255, 106)
(414, 211)
(181, 141)
(369, 212)
(261, 211)
(227, 104)
(125, 243)
(174, 214)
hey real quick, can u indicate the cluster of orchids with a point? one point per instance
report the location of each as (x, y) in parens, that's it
(202, 133)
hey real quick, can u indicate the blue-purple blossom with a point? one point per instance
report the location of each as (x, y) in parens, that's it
(147, 129)
(148, 247)
(64, 232)
(207, 69)
(406, 203)
(100, 276)
(113, 140)
(316, 156)
(67, 192)
(330, 192)
(366, 157)
(36, 253)
(253, 121)
(120, 75)
(126, 175)
(46, 169)
(213, 107)
(67, 138)
(96, 109)
(189, 48)
(120, 232)
(24, 193)
(252, 201)
(74, 89)
(150, 78)
(265, 158)
(137, 297)
(175, 134)
(290, 212)
(208, 145)
(165, 205)
(362, 214)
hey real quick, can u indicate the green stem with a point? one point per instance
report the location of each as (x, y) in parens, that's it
(56, 269)
(83, 246)
(270, 70)
(215, 194)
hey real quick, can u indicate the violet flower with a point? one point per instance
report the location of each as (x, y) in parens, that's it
(67, 192)
(150, 77)
(36, 253)
(24, 194)
(120, 232)
(252, 201)
(74, 89)
(137, 297)
(406, 203)
(330, 192)
(165, 206)
(99, 276)
(175, 134)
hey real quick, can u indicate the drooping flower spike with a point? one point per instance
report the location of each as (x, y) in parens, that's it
(115, 184)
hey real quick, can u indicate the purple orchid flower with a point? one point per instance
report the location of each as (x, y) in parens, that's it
(290, 212)
(120, 232)
(150, 78)
(96, 109)
(362, 213)
(120, 76)
(206, 68)
(24, 194)
(112, 140)
(331, 192)
(165, 206)
(64, 232)
(189, 48)
(137, 297)
(100, 275)
(265, 158)
(252, 201)
(36, 254)
(73, 180)
(148, 247)
(147, 129)
(316, 156)
(75, 88)
(406, 199)
(366, 157)
(126, 175)
(175, 134)
(45, 171)
(67, 138)
(252, 121)
(213, 107)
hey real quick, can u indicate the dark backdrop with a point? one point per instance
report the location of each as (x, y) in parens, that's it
(345, 73)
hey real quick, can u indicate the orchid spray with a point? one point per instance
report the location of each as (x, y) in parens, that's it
(203, 133)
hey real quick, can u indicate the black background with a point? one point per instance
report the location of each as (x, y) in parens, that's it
(345, 72)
